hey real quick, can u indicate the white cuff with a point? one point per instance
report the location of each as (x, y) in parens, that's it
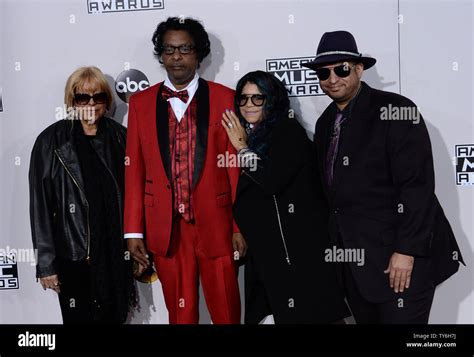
(133, 235)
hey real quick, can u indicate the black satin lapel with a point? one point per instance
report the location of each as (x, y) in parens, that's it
(202, 128)
(162, 128)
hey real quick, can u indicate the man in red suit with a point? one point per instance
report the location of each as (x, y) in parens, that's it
(177, 197)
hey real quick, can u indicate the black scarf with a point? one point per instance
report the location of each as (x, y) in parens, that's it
(112, 283)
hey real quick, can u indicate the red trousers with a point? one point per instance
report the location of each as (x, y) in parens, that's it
(179, 274)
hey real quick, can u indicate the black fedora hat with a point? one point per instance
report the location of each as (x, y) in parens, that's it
(338, 46)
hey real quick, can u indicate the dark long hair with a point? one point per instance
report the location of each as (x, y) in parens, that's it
(275, 108)
(191, 26)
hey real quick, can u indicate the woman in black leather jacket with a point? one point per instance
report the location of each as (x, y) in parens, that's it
(76, 180)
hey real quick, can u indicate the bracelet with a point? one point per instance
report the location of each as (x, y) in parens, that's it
(243, 151)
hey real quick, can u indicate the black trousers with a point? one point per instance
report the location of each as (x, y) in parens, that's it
(412, 309)
(78, 305)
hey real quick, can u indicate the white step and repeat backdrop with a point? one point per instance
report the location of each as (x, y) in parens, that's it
(424, 51)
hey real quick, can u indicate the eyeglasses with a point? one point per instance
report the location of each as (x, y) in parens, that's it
(183, 49)
(341, 71)
(256, 99)
(84, 98)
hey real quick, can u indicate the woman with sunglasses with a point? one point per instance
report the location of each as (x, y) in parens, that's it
(280, 210)
(76, 180)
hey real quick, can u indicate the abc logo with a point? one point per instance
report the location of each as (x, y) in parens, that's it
(130, 82)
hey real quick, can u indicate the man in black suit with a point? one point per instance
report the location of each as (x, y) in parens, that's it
(374, 153)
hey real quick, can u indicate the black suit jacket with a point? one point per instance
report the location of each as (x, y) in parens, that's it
(382, 198)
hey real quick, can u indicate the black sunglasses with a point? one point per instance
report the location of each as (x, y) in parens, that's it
(341, 71)
(84, 99)
(256, 99)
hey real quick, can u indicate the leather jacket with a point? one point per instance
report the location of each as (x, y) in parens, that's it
(59, 211)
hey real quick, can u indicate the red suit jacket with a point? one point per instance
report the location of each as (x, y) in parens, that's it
(148, 192)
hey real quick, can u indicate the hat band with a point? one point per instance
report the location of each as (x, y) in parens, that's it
(339, 53)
